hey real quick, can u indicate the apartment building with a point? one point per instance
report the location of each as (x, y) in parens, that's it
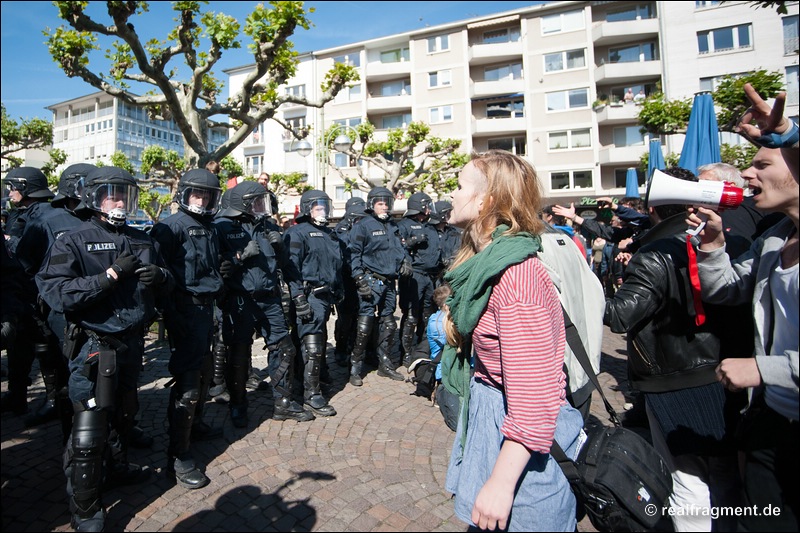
(528, 81)
(93, 127)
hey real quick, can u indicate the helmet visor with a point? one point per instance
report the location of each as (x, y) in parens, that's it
(16, 184)
(199, 200)
(381, 204)
(257, 205)
(320, 209)
(108, 197)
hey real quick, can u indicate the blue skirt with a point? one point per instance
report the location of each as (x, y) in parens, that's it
(543, 500)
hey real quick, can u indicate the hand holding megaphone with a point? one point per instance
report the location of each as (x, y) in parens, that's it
(708, 224)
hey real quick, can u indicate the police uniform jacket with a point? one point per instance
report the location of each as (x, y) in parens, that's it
(375, 246)
(316, 252)
(426, 256)
(19, 218)
(190, 248)
(72, 278)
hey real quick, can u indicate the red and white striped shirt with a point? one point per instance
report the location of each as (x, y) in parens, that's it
(519, 346)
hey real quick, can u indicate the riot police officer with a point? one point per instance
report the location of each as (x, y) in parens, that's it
(344, 330)
(190, 248)
(104, 276)
(449, 235)
(316, 252)
(376, 258)
(421, 241)
(252, 303)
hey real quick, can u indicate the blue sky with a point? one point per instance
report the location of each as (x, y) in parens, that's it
(31, 80)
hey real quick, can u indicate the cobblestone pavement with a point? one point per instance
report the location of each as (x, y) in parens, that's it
(378, 465)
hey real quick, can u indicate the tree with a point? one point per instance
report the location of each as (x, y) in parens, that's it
(283, 184)
(411, 159)
(192, 103)
(34, 133)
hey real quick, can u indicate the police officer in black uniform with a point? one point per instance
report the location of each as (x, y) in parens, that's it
(421, 241)
(344, 330)
(449, 235)
(27, 190)
(316, 252)
(38, 236)
(376, 257)
(252, 303)
(104, 276)
(190, 248)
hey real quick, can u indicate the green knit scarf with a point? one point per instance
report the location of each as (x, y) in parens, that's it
(472, 283)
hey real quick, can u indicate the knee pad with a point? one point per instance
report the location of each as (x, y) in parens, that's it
(89, 434)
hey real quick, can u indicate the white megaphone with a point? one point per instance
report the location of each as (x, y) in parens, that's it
(663, 189)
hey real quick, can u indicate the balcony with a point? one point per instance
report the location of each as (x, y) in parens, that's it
(480, 54)
(491, 88)
(621, 155)
(611, 33)
(612, 114)
(387, 104)
(498, 126)
(627, 73)
(377, 71)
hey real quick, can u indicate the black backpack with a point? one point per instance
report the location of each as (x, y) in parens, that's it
(619, 480)
(424, 369)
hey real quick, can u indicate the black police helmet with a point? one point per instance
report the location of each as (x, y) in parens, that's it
(116, 183)
(28, 181)
(419, 202)
(382, 194)
(71, 183)
(441, 211)
(248, 198)
(195, 185)
(312, 199)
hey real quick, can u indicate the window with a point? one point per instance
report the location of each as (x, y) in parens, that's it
(561, 140)
(296, 123)
(253, 164)
(395, 56)
(396, 121)
(515, 145)
(505, 35)
(566, 60)
(790, 40)
(355, 121)
(711, 83)
(441, 114)
(505, 72)
(563, 100)
(506, 108)
(348, 94)
(561, 22)
(699, 4)
(576, 179)
(438, 44)
(440, 78)
(634, 53)
(628, 136)
(618, 93)
(723, 39)
(792, 85)
(621, 175)
(353, 59)
(296, 90)
(631, 12)
(396, 88)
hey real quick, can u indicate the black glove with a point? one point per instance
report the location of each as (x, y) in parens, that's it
(226, 269)
(125, 266)
(151, 275)
(416, 239)
(363, 285)
(251, 250)
(405, 268)
(302, 308)
(275, 239)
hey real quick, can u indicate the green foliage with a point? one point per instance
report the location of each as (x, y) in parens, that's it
(670, 160)
(738, 155)
(731, 101)
(57, 158)
(660, 116)
(230, 167)
(29, 133)
(282, 184)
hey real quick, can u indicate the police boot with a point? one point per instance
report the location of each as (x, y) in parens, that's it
(363, 330)
(238, 372)
(83, 466)
(408, 339)
(120, 472)
(312, 397)
(254, 379)
(180, 414)
(385, 343)
(201, 430)
(219, 389)
(286, 409)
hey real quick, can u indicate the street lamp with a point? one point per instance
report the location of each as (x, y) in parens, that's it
(342, 143)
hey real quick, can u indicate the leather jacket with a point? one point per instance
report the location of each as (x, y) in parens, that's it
(654, 306)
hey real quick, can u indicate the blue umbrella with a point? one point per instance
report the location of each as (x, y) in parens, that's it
(656, 159)
(701, 146)
(632, 183)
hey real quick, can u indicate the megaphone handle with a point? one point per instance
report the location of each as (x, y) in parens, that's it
(698, 229)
